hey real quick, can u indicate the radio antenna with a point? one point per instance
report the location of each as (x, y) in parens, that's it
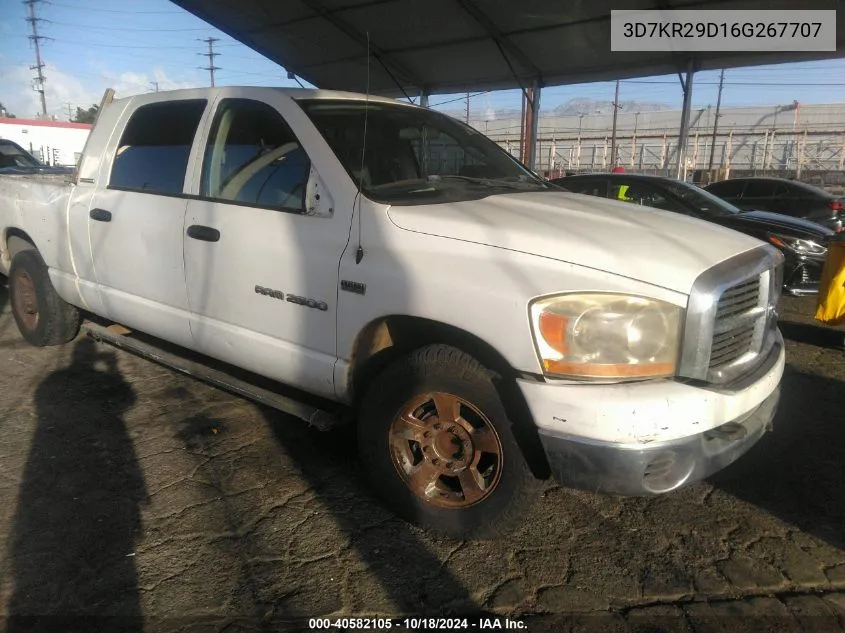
(359, 254)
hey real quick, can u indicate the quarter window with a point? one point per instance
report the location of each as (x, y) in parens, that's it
(253, 157)
(153, 152)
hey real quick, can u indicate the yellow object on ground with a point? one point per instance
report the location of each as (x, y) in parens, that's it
(830, 308)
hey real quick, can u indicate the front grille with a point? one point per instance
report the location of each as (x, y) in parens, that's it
(730, 322)
(736, 324)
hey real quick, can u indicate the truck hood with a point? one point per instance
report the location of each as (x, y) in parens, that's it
(657, 247)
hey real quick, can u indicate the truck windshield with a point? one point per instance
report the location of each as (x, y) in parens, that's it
(416, 156)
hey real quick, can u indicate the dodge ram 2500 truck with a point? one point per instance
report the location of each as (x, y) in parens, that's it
(485, 327)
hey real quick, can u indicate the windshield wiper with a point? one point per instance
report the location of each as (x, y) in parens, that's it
(486, 182)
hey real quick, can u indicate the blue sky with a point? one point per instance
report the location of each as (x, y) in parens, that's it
(96, 44)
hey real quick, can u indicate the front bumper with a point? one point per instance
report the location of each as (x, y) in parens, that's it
(652, 437)
(637, 470)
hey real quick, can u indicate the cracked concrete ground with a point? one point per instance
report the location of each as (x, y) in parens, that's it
(134, 494)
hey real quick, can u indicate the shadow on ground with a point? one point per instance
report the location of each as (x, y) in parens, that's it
(796, 473)
(77, 516)
(813, 334)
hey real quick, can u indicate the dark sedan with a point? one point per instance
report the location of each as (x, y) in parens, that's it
(780, 195)
(803, 243)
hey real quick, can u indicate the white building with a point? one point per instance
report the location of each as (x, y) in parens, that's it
(53, 142)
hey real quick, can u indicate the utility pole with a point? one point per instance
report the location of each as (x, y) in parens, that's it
(715, 125)
(69, 107)
(211, 55)
(634, 139)
(38, 82)
(616, 107)
(154, 84)
(467, 119)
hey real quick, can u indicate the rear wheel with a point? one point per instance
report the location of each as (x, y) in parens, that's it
(42, 317)
(438, 446)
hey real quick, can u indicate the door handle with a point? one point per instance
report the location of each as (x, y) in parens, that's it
(204, 233)
(101, 215)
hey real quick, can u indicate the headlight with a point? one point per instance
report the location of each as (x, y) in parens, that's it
(797, 245)
(608, 336)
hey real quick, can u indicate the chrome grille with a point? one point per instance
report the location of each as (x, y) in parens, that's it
(735, 324)
(730, 321)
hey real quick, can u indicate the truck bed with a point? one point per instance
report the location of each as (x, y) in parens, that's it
(26, 201)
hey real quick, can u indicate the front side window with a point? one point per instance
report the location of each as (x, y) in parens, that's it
(590, 187)
(642, 194)
(758, 189)
(254, 158)
(727, 188)
(413, 155)
(153, 152)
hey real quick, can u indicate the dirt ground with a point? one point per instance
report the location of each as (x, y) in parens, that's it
(135, 495)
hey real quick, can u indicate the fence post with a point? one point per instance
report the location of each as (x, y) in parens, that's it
(842, 154)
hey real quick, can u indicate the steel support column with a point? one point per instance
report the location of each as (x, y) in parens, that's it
(424, 98)
(531, 140)
(685, 117)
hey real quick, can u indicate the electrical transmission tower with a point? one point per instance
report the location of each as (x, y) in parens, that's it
(211, 55)
(38, 81)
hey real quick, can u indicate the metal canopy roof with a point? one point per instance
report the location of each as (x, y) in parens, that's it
(443, 46)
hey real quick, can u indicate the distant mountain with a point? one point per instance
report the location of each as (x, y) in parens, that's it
(573, 107)
(584, 105)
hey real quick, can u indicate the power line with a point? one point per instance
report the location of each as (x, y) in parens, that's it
(38, 82)
(211, 55)
(477, 94)
(121, 28)
(99, 10)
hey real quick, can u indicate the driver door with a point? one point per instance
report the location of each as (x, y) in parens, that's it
(261, 273)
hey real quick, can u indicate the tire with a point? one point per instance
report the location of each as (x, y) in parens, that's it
(43, 317)
(411, 471)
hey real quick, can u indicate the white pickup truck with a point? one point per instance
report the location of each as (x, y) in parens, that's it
(484, 327)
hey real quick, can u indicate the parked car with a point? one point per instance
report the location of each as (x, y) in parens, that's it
(780, 195)
(15, 159)
(803, 243)
(480, 326)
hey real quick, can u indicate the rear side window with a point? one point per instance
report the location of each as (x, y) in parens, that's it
(759, 189)
(727, 188)
(153, 152)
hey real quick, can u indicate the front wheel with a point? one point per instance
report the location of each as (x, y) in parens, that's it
(438, 446)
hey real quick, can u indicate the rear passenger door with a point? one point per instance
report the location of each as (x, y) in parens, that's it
(136, 219)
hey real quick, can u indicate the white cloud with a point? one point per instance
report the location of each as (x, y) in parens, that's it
(60, 88)
(131, 83)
